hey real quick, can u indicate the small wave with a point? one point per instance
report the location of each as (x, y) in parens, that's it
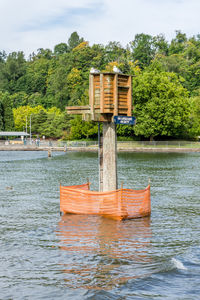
(178, 264)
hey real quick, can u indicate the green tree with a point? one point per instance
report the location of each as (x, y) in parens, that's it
(22, 115)
(61, 49)
(7, 113)
(161, 105)
(57, 87)
(74, 40)
(177, 45)
(68, 78)
(43, 53)
(55, 125)
(186, 64)
(1, 117)
(82, 130)
(49, 122)
(37, 120)
(114, 52)
(74, 82)
(194, 124)
(125, 131)
(13, 72)
(19, 99)
(3, 56)
(36, 76)
(160, 44)
(143, 49)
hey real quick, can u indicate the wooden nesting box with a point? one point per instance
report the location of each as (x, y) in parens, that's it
(110, 94)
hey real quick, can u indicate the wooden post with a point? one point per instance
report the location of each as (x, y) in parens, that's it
(109, 157)
(49, 153)
(100, 153)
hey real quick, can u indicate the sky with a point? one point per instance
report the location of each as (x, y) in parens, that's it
(29, 25)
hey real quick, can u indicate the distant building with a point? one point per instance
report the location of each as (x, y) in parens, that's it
(13, 133)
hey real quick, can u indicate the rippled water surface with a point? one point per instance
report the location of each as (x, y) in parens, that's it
(45, 256)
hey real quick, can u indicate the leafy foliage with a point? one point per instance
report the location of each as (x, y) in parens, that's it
(82, 130)
(6, 113)
(161, 104)
(48, 122)
(164, 73)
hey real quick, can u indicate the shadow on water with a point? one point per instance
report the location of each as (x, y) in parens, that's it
(102, 253)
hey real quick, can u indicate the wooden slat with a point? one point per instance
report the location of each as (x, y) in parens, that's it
(122, 97)
(123, 107)
(123, 91)
(91, 93)
(115, 95)
(102, 93)
(78, 110)
(130, 97)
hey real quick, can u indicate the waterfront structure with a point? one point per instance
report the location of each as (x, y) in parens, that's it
(110, 95)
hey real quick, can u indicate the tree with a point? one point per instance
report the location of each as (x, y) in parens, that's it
(7, 113)
(194, 124)
(143, 49)
(1, 117)
(49, 122)
(36, 76)
(57, 81)
(43, 53)
(68, 78)
(74, 81)
(125, 131)
(22, 115)
(115, 52)
(161, 105)
(82, 130)
(178, 43)
(37, 120)
(186, 64)
(3, 56)
(60, 49)
(19, 99)
(13, 70)
(160, 44)
(74, 40)
(56, 124)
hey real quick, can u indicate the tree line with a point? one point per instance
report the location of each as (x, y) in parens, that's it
(166, 86)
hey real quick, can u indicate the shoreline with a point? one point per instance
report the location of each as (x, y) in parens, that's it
(95, 149)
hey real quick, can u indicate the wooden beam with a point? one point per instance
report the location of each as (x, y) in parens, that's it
(78, 110)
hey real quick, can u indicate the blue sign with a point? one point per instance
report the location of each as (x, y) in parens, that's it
(124, 120)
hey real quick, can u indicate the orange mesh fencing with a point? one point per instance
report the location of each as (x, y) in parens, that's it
(119, 204)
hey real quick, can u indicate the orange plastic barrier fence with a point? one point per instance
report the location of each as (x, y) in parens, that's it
(119, 204)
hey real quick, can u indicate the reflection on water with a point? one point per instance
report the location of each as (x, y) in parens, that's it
(45, 256)
(103, 252)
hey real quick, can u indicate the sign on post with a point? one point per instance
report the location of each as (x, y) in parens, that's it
(124, 120)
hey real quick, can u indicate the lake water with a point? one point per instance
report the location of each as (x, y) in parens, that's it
(46, 256)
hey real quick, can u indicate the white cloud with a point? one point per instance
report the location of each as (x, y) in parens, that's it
(28, 25)
(123, 21)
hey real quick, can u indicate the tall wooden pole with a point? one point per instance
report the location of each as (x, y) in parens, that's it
(109, 157)
(100, 154)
